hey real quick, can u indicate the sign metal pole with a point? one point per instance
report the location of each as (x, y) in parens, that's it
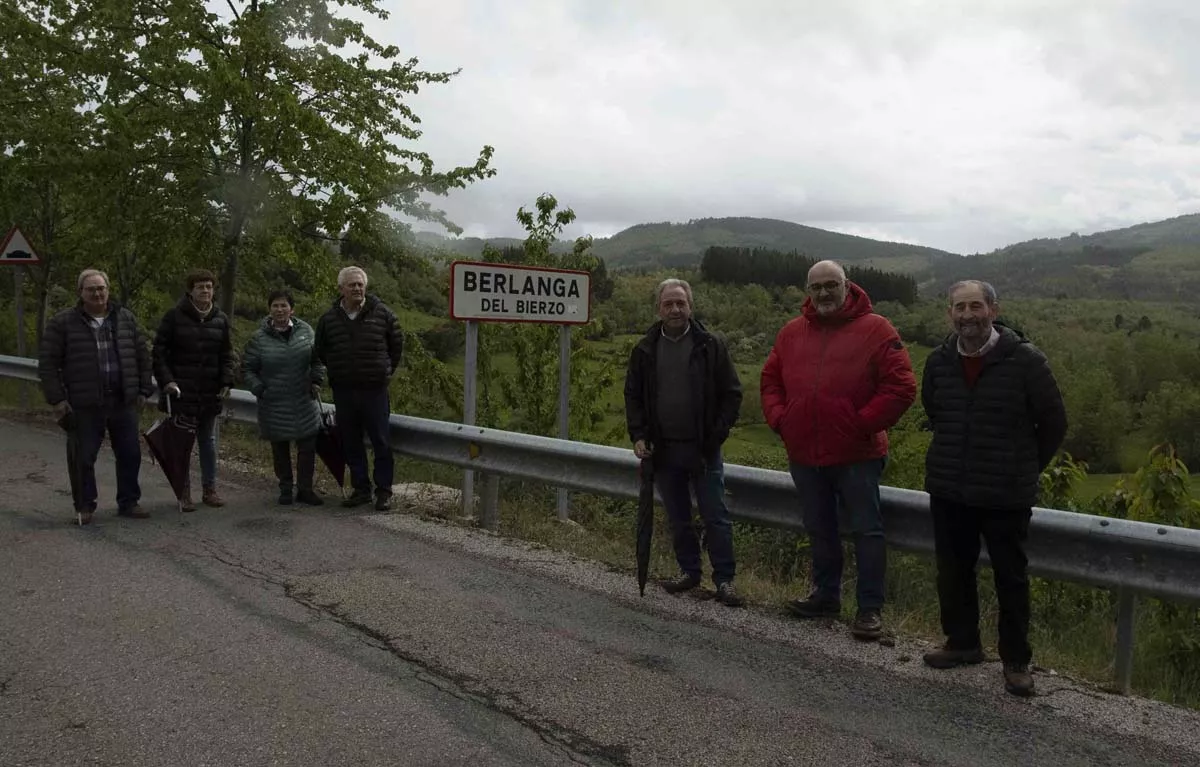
(469, 391)
(564, 406)
(19, 278)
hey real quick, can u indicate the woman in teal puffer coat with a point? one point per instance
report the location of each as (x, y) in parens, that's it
(279, 370)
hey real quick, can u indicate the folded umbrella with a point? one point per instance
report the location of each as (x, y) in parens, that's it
(170, 441)
(329, 448)
(645, 521)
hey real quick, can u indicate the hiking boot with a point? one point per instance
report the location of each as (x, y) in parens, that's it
(133, 512)
(728, 596)
(310, 498)
(1018, 680)
(285, 497)
(383, 500)
(948, 657)
(868, 624)
(815, 606)
(210, 498)
(680, 583)
(84, 516)
(357, 498)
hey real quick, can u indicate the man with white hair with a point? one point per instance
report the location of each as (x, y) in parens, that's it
(837, 378)
(94, 366)
(998, 419)
(682, 396)
(359, 342)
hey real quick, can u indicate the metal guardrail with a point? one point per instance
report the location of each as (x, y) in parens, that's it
(1131, 558)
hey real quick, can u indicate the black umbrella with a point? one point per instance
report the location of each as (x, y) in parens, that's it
(645, 520)
(69, 424)
(329, 448)
(170, 440)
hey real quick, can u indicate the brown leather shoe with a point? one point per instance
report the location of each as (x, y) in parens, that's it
(948, 657)
(1018, 680)
(186, 503)
(210, 498)
(133, 512)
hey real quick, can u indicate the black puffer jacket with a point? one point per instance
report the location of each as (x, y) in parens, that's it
(197, 354)
(991, 441)
(715, 384)
(360, 353)
(69, 362)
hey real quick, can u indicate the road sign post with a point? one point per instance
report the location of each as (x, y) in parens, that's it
(486, 292)
(18, 253)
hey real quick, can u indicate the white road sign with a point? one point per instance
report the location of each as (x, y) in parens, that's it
(501, 293)
(16, 249)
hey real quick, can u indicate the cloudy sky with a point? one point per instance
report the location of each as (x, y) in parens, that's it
(960, 124)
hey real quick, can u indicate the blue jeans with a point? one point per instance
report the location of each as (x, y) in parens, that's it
(206, 445)
(678, 473)
(844, 499)
(83, 447)
(366, 412)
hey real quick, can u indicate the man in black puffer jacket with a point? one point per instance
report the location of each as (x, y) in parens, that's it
(95, 372)
(998, 419)
(194, 365)
(359, 341)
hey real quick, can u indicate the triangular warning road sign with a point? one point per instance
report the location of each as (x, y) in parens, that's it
(17, 250)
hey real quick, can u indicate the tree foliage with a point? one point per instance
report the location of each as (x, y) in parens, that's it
(773, 268)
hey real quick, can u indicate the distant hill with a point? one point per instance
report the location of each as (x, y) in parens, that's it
(1152, 261)
(667, 245)
(673, 245)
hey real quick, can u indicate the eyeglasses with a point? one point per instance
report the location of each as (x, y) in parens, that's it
(830, 286)
(96, 289)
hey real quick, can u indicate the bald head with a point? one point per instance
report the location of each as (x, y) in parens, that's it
(827, 286)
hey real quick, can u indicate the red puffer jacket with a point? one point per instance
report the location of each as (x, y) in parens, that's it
(832, 386)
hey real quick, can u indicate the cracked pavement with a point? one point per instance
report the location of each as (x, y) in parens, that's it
(262, 635)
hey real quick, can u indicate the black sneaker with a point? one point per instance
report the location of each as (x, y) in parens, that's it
(727, 595)
(947, 657)
(815, 606)
(868, 624)
(680, 583)
(383, 501)
(310, 498)
(133, 511)
(285, 498)
(357, 498)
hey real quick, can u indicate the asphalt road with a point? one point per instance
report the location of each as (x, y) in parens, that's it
(261, 635)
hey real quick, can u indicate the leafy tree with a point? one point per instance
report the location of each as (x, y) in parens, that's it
(281, 118)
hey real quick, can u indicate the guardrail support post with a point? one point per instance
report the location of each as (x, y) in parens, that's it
(1126, 609)
(489, 518)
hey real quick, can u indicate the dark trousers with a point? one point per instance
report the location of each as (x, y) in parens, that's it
(366, 413)
(306, 461)
(844, 499)
(678, 472)
(83, 447)
(957, 529)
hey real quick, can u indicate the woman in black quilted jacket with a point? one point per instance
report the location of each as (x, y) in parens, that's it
(194, 366)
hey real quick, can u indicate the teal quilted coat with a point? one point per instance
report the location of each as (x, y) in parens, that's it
(279, 371)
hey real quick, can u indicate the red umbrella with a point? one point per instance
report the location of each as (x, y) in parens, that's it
(329, 448)
(170, 440)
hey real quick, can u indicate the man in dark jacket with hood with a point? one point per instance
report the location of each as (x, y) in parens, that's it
(359, 342)
(998, 419)
(94, 366)
(195, 366)
(836, 379)
(682, 396)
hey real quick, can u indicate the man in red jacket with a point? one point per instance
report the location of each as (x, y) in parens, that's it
(837, 378)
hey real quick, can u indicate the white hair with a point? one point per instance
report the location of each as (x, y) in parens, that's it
(345, 273)
(90, 273)
(672, 282)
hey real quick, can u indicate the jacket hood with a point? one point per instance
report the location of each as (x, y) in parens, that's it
(857, 304)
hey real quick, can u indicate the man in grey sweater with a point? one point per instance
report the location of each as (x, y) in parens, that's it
(682, 396)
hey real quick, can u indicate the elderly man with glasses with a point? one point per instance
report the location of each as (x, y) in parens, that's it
(836, 379)
(94, 366)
